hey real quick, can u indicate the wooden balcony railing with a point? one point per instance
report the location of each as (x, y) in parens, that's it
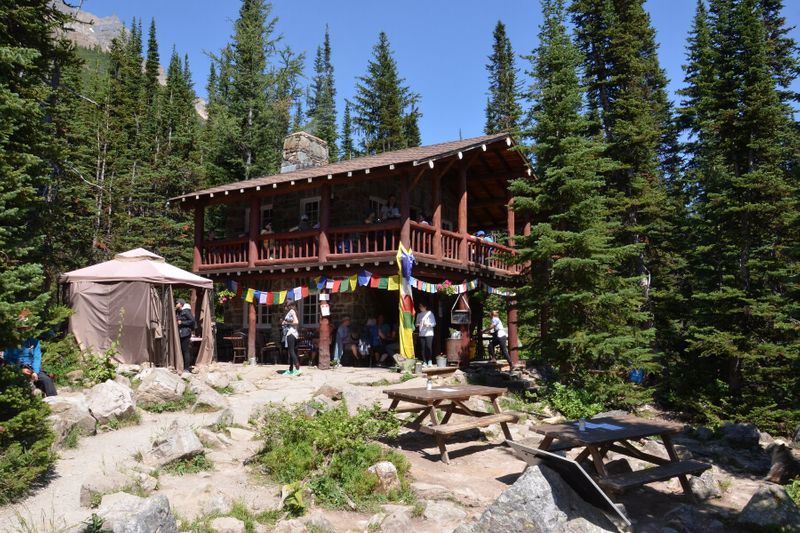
(367, 240)
(291, 247)
(228, 253)
(491, 255)
(451, 244)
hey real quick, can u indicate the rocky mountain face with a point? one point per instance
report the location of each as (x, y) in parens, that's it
(87, 30)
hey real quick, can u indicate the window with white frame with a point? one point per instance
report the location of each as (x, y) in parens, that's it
(310, 208)
(266, 216)
(263, 315)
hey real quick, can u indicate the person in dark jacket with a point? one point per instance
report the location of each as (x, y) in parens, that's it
(185, 328)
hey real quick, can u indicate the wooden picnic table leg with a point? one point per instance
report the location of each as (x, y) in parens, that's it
(421, 416)
(597, 457)
(673, 455)
(546, 442)
(498, 410)
(448, 413)
(392, 407)
(439, 438)
(583, 455)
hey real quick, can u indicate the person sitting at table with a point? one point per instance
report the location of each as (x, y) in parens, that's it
(370, 219)
(390, 210)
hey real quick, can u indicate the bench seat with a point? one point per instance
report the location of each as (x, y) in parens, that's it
(478, 422)
(621, 482)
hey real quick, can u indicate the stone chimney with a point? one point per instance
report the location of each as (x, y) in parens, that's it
(302, 150)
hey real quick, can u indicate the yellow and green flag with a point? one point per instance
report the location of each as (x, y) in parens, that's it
(405, 260)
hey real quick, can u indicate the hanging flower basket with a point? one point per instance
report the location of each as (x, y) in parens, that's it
(224, 296)
(446, 287)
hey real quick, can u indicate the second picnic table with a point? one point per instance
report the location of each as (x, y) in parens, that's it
(451, 400)
(614, 433)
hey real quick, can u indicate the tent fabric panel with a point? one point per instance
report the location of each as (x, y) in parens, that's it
(205, 354)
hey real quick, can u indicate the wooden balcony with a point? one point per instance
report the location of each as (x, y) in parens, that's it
(368, 242)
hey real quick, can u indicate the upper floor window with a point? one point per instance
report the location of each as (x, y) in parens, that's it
(310, 208)
(266, 217)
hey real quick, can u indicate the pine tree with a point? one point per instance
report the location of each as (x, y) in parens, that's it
(503, 110)
(590, 314)
(28, 74)
(386, 111)
(348, 148)
(322, 101)
(743, 345)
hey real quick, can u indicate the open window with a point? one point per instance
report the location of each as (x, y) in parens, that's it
(266, 216)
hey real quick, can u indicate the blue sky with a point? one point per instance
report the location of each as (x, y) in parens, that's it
(441, 47)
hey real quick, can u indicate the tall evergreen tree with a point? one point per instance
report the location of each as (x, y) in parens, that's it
(590, 314)
(386, 110)
(31, 53)
(348, 148)
(503, 110)
(744, 343)
(322, 101)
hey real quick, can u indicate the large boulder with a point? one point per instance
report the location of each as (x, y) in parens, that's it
(126, 513)
(178, 442)
(705, 486)
(94, 487)
(219, 380)
(160, 385)
(329, 391)
(68, 412)
(111, 401)
(770, 509)
(540, 501)
(206, 398)
(444, 512)
(740, 435)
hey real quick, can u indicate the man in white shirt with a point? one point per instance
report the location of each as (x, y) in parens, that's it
(499, 336)
(426, 323)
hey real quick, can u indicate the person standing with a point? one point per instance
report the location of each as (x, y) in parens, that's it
(290, 325)
(426, 322)
(499, 337)
(185, 328)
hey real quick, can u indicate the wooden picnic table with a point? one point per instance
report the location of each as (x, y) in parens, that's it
(452, 400)
(598, 441)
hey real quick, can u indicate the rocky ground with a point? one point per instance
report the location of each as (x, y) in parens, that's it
(127, 456)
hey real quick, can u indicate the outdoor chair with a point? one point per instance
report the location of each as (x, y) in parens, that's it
(239, 346)
(271, 352)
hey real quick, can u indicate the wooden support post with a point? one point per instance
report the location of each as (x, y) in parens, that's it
(526, 229)
(437, 215)
(462, 214)
(199, 218)
(513, 333)
(251, 330)
(324, 222)
(510, 220)
(324, 341)
(405, 213)
(255, 231)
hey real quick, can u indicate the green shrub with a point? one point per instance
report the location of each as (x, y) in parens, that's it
(571, 402)
(63, 356)
(793, 489)
(25, 436)
(191, 465)
(331, 451)
(186, 401)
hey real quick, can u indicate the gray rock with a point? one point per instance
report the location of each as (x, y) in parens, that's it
(110, 400)
(224, 418)
(177, 442)
(75, 375)
(740, 435)
(228, 524)
(145, 482)
(444, 512)
(329, 391)
(318, 521)
(398, 521)
(354, 398)
(160, 386)
(323, 403)
(219, 380)
(618, 466)
(427, 491)
(93, 489)
(797, 434)
(210, 439)
(684, 518)
(290, 526)
(206, 397)
(770, 508)
(703, 433)
(126, 513)
(122, 380)
(388, 480)
(705, 486)
(67, 412)
(129, 370)
(540, 501)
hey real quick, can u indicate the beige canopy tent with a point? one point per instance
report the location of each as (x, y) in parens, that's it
(130, 299)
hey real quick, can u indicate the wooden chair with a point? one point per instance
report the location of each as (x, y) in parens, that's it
(239, 345)
(271, 348)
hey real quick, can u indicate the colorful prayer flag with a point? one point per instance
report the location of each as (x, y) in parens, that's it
(249, 297)
(270, 298)
(394, 283)
(405, 261)
(353, 282)
(305, 292)
(262, 298)
(374, 282)
(383, 283)
(281, 297)
(298, 293)
(363, 278)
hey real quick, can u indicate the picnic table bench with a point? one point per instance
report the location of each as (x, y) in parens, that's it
(452, 400)
(439, 370)
(614, 433)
